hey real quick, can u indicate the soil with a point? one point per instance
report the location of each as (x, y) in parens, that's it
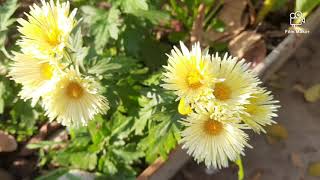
(288, 159)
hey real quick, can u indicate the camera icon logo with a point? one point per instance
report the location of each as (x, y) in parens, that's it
(297, 18)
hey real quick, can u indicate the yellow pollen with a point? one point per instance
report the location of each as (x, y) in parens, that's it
(74, 90)
(212, 127)
(46, 71)
(222, 91)
(194, 79)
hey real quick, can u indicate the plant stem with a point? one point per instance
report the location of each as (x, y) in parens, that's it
(212, 13)
(240, 170)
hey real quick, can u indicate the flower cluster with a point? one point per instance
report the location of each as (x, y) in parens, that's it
(220, 98)
(43, 71)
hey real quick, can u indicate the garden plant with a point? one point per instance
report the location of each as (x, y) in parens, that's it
(109, 86)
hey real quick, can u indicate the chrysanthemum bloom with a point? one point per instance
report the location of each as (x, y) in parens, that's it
(74, 100)
(47, 29)
(36, 75)
(237, 82)
(213, 136)
(189, 74)
(260, 110)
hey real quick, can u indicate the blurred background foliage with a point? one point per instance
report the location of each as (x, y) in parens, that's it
(124, 44)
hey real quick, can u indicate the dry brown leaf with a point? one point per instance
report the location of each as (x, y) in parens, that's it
(276, 132)
(7, 142)
(312, 94)
(314, 169)
(249, 45)
(234, 17)
(296, 160)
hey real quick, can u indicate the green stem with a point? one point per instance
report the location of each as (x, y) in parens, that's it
(241, 170)
(213, 13)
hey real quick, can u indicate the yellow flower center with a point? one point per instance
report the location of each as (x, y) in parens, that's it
(194, 79)
(53, 37)
(74, 90)
(212, 127)
(251, 108)
(46, 71)
(222, 91)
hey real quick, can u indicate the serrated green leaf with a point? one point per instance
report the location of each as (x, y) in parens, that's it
(128, 154)
(103, 24)
(83, 160)
(162, 138)
(133, 6)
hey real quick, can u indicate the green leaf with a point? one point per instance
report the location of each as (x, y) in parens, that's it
(121, 126)
(42, 144)
(152, 48)
(54, 174)
(83, 160)
(79, 52)
(103, 66)
(218, 25)
(103, 25)
(163, 137)
(129, 153)
(107, 166)
(134, 6)
(6, 11)
(146, 112)
(306, 6)
(154, 16)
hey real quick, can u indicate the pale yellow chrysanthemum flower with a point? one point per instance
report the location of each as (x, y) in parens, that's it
(237, 82)
(213, 136)
(47, 29)
(75, 100)
(260, 110)
(189, 73)
(36, 75)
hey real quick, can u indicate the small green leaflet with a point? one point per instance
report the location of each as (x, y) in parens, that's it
(104, 25)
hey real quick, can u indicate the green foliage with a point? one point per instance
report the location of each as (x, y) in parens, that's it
(118, 43)
(6, 11)
(218, 25)
(104, 25)
(306, 6)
